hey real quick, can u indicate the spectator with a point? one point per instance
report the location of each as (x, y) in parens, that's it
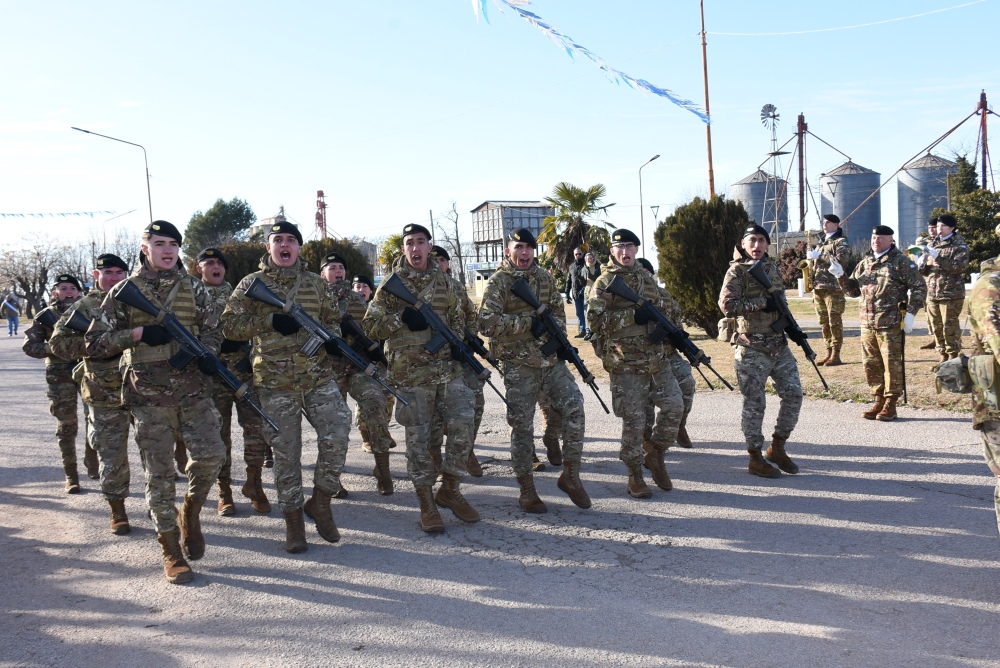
(11, 310)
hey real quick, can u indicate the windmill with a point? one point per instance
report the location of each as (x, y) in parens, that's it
(774, 190)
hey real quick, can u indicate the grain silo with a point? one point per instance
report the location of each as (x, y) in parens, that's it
(922, 186)
(760, 194)
(843, 189)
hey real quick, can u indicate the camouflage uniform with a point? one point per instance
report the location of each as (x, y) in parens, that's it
(289, 383)
(681, 369)
(828, 296)
(882, 283)
(945, 277)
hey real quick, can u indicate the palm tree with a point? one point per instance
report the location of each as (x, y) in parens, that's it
(574, 223)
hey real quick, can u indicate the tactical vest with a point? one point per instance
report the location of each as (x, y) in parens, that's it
(180, 301)
(758, 322)
(514, 305)
(307, 294)
(646, 289)
(436, 294)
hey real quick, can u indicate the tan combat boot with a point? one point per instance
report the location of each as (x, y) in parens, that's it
(825, 360)
(72, 479)
(930, 345)
(430, 518)
(91, 463)
(253, 489)
(945, 356)
(569, 482)
(683, 439)
(760, 467)
(119, 519)
(318, 510)
(295, 531)
(875, 409)
(776, 454)
(175, 568)
(528, 500)
(835, 360)
(473, 466)
(888, 412)
(450, 496)
(654, 462)
(552, 450)
(383, 475)
(227, 507)
(636, 485)
(189, 519)
(536, 463)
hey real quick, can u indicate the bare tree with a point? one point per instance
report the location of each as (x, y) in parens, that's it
(28, 268)
(452, 241)
(123, 242)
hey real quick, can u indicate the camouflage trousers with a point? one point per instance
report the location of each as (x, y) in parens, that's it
(943, 317)
(524, 386)
(437, 425)
(830, 305)
(108, 431)
(882, 350)
(62, 393)
(753, 367)
(456, 401)
(327, 412)
(631, 393)
(991, 453)
(373, 413)
(251, 423)
(685, 381)
(198, 423)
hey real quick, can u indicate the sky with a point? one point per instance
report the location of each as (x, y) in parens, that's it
(398, 108)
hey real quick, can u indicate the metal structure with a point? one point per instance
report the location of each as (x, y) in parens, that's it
(753, 193)
(494, 219)
(843, 190)
(776, 188)
(321, 214)
(921, 186)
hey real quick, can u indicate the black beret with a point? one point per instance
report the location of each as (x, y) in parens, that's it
(333, 258)
(213, 253)
(416, 228)
(645, 264)
(440, 252)
(949, 220)
(164, 229)
(67, 278)
(754, 228)
(284, 227)
(932, 221)
(833, 218)
(109, 260)
(361, 278)
(624, 236)
(883, 230)
(523, 235)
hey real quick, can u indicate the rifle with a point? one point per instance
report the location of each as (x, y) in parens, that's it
(47, 317)
(665, 329)
(477, 346)
(442, 332)
(557, 337)
(78, 322)
(190, 346)
(902, 359)
(372, 349)
(318, 335)
(786, 323)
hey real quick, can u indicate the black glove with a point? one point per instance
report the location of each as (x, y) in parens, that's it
(333, 348)
(642, 316)
(537, 327)
(414, 319)
(284, 324)
(565, 354)
(207, 365)
(156, 335)
(229, 346)
(772, 304)
(569, 300)
(456, 353)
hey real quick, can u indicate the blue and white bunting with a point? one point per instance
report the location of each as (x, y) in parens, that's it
(90, 214)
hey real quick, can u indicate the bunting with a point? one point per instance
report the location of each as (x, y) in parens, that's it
(74, 214)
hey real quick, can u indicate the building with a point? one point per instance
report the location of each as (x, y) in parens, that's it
(843, 190)
(922, 186)
(765, 198)
(493, 220)
(260, 229)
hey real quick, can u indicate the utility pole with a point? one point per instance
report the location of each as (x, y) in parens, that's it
(801, 148)
(708, 127)
(983, 110)
(430, 213)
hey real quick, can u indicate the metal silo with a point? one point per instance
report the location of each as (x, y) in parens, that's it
(922, 186)
(843, 189)
(760, 194)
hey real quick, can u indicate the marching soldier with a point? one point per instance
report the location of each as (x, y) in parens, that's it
(944, 263)
(761, 353)
(882, 279)
(162, 399)
(640, 370)
(290, 383)
(516, 336)
(925, 239)
(430, 381)
(365, 287)
(828, 297)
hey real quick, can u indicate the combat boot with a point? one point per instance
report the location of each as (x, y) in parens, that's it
(945, 356)
(552, 450)
(473, 466)
(654, 462)
(888, 412)
(318, 510)
(189, 519)
(759, 466)
(683, 439)
(569, 482)
(119, 519)
(91, 463)
(253, 489)
(536, 463)
(826, 360)
(295, 532)
(175, 568)
(227, 507)
(776, 454)
(636, 485)
(72, 479)
(450, 496)
(930, 345)
(835, 360)
(383, 476)
(430, 518)
(876, 409)
(528, 500)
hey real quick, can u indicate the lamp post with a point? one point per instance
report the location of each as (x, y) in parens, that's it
(149, 197)
(642, 217)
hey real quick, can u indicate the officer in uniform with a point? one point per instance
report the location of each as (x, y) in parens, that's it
(761, 353)
(429, 381)
(882, 279)
(161, 398)
(828, 297)
(925, 239)
(291, 383)
(944, 263)
(640, 370)
(61, 387)
(516, 337)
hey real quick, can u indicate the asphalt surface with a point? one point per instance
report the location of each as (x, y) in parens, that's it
(881, 552)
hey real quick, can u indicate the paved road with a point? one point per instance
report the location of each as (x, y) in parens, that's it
(882, 552)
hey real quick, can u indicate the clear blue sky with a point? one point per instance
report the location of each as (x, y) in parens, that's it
(396, 108)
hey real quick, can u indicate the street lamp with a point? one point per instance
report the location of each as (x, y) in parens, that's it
(149, 197)
(642, 218)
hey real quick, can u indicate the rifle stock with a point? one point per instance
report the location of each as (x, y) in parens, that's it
(78, 322)
(47, 317)
(372, 349)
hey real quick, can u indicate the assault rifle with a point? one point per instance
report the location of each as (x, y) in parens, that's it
(78, 322)
(318, 334)
(557, 343)
(190, 346)
(477, 346)
(665, 329)
(47, 317)
(362, 343)
(442, 332)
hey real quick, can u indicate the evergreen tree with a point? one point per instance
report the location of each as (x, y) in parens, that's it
(223, 223)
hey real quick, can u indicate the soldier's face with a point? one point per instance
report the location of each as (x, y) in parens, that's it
(829, 226)
(445, 264)
(755, 245)
(65, 291)
(416, 249)
(944, 230)
(283, 249)
(334, 272)
(881, 242)
(162, 252)
(932, 230)
(108, 278)
(363, 290)
(212, 271)
(624, 254)
(520, 254)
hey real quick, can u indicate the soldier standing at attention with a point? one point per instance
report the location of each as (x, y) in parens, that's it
(61, 388)
(429, 381)
(828, 296)
(164, 400)
(291, 383)
(760, 353)
(640, 370)
(944, 262)
(516, 337)
(925, 239)
(882, 280)
(101, 389)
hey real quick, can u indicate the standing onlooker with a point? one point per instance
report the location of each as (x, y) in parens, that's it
(576, 286)
(10, 310)
(944, 263)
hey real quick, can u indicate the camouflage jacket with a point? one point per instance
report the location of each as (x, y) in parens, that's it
(621, 343)
(946, 273)
(278, 363)
(36, 337)
(983, 309)
(883, 283)
(220, 295)
(148, 379)
(506, 319)
(348, 303)
(102, 379)
(410, 363)
(833, 247)
(744, 298)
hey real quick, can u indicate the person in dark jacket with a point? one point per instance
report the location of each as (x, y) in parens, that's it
(576, 288)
